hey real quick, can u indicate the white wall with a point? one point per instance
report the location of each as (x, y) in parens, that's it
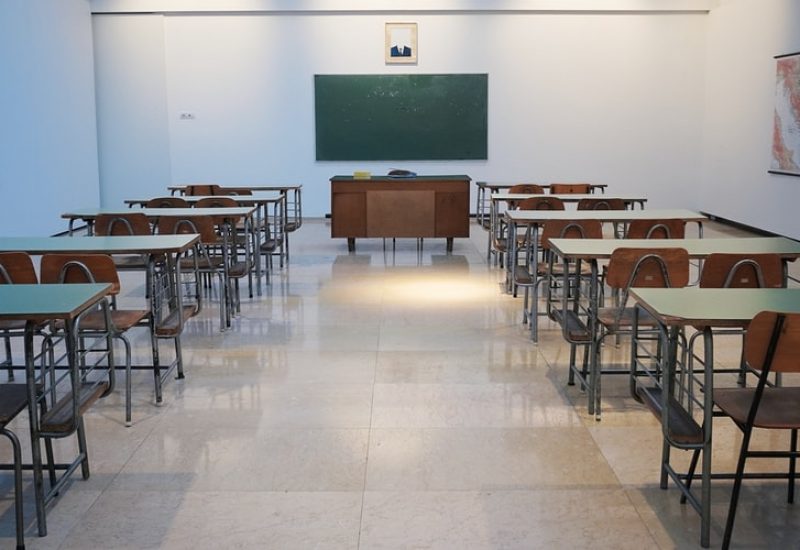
(613, 99)
(48, 144)
(743, 37)
(132, 126)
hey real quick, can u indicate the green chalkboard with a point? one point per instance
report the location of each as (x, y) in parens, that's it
(401, 117)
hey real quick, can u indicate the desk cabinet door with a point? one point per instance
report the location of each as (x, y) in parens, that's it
(349, 214)
(452, 214)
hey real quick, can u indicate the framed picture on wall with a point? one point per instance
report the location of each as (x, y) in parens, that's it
(401, 43)
(786, 120)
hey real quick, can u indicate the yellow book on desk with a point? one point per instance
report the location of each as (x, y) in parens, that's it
(361, 175)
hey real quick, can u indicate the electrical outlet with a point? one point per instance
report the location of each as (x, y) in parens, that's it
(186, 116)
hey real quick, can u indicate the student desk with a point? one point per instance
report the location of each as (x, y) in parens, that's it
(673, 310)
(274, 226)
(231, 215)
(488, 188)
(498, 200)
(533, 219)
(593, 250)
(36, 304)
(292, 193)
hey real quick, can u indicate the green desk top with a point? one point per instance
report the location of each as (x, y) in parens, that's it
(541, 216)
(255, 198)
(718, 307)
(99, 245)
(44, 302)
(92, 213)
(697, 248)
(398, 179)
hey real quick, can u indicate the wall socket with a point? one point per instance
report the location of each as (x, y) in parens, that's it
(186, 116)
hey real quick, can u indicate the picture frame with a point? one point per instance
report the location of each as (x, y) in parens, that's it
(786, 119)
(400, 46)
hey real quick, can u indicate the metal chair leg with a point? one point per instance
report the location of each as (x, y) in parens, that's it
(17, 452)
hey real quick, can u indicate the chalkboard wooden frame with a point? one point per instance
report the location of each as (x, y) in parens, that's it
(401, 117)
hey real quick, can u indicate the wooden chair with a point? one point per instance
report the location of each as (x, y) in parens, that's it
(167, 202)
(15, 268)
(656, 229)
(601, 204)
(562, 297)
(210, 256)
(541, 203)
(14, 400)
(629, 268)
(122, 225)
(570, 188)
(202, 189)
(772, 344)
(100, 268)
(237, 239)
(737, 271)
(524, 188)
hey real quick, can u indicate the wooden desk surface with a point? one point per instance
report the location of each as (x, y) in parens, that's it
(101, 245)
(697, 248)
(541, 216)
(717, 307)
(45, 302)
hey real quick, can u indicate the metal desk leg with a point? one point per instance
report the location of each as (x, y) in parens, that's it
(33, 415)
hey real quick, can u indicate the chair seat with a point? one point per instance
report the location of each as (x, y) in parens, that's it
(13, 400)
(122, 319)
(136, 261)
(779, 408)
(59, 418)
(289, 227)
(170, 326)
(612, 318)
(238, 270)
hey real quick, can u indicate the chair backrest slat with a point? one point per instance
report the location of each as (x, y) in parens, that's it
(656, 229)
(17, 268)
(570, 188)
(742, 271)
(786, 357)
(648, 267)
(167, 202)
(134, 223)
(541, 203)
(80, 268)
(570, 229)
(601, 204)
(526, 188)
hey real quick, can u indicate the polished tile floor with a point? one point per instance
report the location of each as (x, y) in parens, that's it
(383, 399)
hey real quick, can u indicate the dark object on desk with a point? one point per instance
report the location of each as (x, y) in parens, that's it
(401, 117)
(401, 174)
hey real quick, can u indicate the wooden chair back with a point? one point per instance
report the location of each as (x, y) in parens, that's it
(202, 189)
(235, 191)
(216, 202)
(742, 271)
(167, 202)
(570, 188)
(80, 268)
(570, 229)
(526, 188)
(648, 267)
(176, 225)
(17, 268)
(601, 204)
(122, 224)
(780, 331)
(541, 203)
(656, 229)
